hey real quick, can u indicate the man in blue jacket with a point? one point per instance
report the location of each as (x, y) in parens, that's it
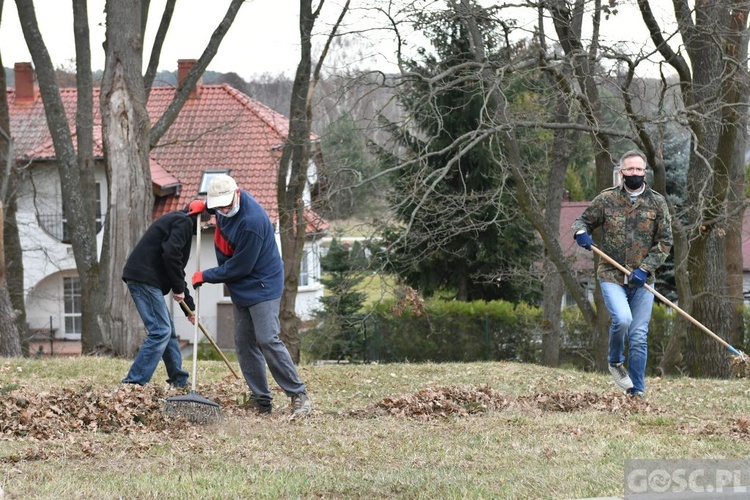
(155, 267)
(252, 269)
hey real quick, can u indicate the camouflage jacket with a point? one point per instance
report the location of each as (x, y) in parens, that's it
(634, 234)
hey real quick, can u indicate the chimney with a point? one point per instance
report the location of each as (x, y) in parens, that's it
(183, 68)
(24, 75)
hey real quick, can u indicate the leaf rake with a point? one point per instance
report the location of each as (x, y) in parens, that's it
(740, 362)
(194, 407)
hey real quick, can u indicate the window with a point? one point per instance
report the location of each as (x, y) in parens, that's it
(72, 299)
(207, 176)
(97, 210)
(303, 270)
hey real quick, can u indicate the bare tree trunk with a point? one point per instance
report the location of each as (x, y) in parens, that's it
(717, 73)
(76, 205)
(291, 184)
(567, 24)
(737, 47)
(10, 338)
(14, 263)
(125, 132)
(554, 288)
(716, 40)
(293, 171)
(10, 343)
(673, 352)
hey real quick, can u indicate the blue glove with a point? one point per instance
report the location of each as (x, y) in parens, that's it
(638, 277)
(584, 240)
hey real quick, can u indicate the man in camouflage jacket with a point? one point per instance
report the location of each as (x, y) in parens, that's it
(637, 233)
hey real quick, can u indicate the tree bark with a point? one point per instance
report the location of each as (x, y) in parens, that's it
(716, 72)
(567, 24)
(291, 182)
(125, 133)
(74, 179)
(10, 333)
(293, 172)
(10, 343)
(554, 288)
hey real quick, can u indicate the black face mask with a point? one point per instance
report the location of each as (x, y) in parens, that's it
(633, 181)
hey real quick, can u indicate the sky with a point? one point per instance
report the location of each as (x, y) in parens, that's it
(264, 38)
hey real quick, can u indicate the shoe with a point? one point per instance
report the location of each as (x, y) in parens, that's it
(301, 405)
(620, 376)
(262, 405)
(636, 394)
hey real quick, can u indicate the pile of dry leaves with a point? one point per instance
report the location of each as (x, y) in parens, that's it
(439, 402)
(582, 401)
(740, 366)
(430, 403)
(126, 409)
(133, 409)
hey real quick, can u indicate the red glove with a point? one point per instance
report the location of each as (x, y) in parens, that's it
(196, 207)
(197, 279)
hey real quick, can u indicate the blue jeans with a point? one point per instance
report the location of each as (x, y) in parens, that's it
(256, 338)
(630, 308)
(161, 339)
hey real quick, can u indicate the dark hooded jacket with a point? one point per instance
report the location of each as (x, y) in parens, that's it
(160, 257)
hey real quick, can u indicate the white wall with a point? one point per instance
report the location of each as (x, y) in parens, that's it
(46, 260)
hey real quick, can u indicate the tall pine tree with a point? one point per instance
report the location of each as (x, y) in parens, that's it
(458, 229)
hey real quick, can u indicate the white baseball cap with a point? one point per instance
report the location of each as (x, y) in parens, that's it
(221, 191)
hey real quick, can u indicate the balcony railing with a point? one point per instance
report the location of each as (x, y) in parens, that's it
(57, 226)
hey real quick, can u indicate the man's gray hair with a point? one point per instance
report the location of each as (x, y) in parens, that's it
(630, 154)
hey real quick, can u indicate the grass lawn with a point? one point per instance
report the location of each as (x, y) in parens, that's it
(68, 430)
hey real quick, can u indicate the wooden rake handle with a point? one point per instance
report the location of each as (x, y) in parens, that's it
(208, 336)
(670, 304)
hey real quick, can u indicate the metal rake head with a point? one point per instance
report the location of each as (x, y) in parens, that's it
(193, 407)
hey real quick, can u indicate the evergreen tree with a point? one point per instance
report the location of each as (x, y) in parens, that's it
(458, 228)
(346, 168)
(339, 334)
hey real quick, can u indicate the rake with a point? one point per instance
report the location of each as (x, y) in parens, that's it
(194, 407)
(210, 339)
(740, 355)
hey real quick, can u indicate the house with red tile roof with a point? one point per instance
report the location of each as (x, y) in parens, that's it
(219, 130)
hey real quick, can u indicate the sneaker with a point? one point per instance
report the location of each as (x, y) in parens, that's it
(261, 405)
(636, 394)
(301, 405)
(620, 376)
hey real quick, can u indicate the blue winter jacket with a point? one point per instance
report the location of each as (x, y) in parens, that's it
(249, 260)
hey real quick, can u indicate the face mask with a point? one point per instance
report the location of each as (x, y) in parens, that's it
(633, 181)
(233, 212)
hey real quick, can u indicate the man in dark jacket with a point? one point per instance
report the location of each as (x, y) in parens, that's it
(155, 267)
(252, 269)
(636, 232)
